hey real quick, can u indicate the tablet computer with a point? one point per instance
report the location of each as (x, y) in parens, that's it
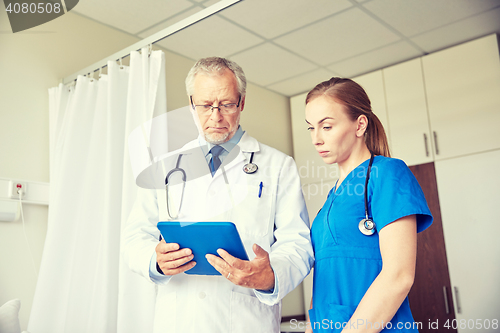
(203, 238)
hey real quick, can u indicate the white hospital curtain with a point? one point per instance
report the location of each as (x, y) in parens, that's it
(82, 285)
(137, 297)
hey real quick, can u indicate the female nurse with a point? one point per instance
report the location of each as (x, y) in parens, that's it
(362, 275)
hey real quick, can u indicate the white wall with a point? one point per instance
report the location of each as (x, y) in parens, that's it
(33, 61)
(267, 117)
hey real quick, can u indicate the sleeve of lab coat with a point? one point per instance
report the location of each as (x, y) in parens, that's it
(140, 235)
(291, 254)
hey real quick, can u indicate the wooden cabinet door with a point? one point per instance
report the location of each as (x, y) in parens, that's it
(430, 297)
(407, 113)
(469, 194)
(463, 95)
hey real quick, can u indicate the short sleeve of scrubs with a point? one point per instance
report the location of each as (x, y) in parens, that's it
(396, 194)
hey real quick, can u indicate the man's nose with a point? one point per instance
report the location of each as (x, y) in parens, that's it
(216, 115)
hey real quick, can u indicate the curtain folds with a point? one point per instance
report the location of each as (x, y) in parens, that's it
(82, 285)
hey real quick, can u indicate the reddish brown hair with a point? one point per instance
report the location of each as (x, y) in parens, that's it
(356, 102)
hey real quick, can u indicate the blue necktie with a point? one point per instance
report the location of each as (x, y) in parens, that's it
(215, 161)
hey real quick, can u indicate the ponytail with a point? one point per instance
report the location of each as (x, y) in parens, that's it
(375, 137)
(354, 98)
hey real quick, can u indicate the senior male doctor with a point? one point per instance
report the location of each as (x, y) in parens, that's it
(267, 207)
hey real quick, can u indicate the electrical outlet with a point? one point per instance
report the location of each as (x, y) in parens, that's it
(15, 186)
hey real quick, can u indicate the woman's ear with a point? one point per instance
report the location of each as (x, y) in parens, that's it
(362, 125)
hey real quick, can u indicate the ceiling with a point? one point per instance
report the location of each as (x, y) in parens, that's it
(288, 46)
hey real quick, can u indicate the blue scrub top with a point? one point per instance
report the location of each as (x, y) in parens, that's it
(347, 262)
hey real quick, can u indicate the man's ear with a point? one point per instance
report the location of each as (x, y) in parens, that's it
(190, 99)
(242, 103)
(362, 125)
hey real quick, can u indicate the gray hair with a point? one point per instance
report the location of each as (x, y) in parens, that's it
(216, 65)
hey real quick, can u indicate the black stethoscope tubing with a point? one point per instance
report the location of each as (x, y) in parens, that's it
(176, 169)
(367, 225)
(248, 168)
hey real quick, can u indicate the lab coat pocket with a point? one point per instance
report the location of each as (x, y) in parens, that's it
(165, 313)
(248, 314)
(255, 211)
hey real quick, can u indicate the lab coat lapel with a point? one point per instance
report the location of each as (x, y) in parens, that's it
(240, 154)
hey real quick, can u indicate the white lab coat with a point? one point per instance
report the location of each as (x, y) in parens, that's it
(277, 221)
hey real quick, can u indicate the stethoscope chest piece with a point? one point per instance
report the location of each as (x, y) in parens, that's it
(367, 227)
(250, 167)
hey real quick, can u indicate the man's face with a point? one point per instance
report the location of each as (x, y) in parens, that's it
(216, 90)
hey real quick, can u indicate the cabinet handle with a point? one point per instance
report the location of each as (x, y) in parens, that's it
(426, 147)
(457, 300)
(447, 308)
(436, 142)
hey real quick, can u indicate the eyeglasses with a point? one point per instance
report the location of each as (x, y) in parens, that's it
(223, 108)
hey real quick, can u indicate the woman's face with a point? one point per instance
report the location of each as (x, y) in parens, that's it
(333, 133)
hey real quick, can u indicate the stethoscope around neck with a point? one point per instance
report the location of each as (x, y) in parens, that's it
(367, 225)
(248, 168)
(169, 174)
